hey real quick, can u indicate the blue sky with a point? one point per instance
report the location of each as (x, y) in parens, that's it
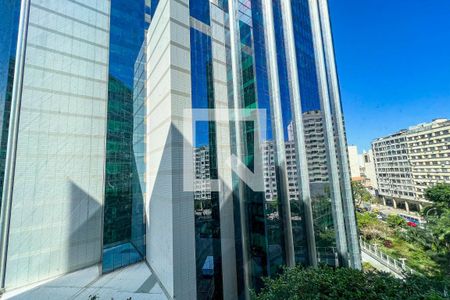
(393, 60)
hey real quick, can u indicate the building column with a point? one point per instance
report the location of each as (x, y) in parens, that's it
(302, 161)
(169, 206)
(384, 200)
(347, 197)
(407, 206)
(236, 71)
(221, 96)
(335, 188)
(280, 151)
(394, 203)
(13, 134)
(420, 206)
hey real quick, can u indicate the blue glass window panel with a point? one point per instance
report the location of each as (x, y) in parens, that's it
(153, 6)
(261, 65)
(199, 9)
(282, 67)
(306, 63)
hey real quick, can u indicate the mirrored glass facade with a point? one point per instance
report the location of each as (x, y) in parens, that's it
(123, 227)
(9, 24)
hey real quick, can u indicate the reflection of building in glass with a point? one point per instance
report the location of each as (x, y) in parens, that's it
(316, 151)
(315, 154)
(202, 178)
(410, 161)
(123, 229)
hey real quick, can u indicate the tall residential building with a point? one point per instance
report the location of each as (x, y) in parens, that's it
(368, 170)
(99, 168)
(410, 161)
(355, 164)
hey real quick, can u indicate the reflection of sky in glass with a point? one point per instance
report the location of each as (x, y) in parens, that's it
(153, 5)
(199, 9)
(127, 35)
(9, 18)
(282, 68)
(200, 62)
(261, 67)
(305, 56)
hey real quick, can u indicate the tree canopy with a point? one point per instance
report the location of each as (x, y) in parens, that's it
(344, 283)
(438, 216)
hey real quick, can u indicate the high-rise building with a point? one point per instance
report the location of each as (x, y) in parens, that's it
(100, 169)
(206, 61)
(368, 170)
(355, 164)
(410, 161)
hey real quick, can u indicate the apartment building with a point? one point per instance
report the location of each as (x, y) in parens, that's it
(410, 161)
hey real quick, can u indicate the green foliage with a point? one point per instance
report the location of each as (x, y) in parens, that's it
(439, 194)
(395, 221)
(360, 193)
(366, 219)
(418, 245)
(344, 283)
(438, 217)
(367, 267)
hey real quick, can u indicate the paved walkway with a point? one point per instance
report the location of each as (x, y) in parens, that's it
(136, 282)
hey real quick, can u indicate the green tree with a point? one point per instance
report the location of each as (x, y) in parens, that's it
(438, 216)
(440, 196)
(395, 221)
(344, 283)
(360, 193)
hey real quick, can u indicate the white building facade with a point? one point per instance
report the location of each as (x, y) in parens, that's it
(409, 162)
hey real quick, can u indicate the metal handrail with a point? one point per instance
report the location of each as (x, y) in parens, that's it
(394, 264)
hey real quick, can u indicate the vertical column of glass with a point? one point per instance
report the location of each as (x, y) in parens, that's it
(139, 148)
(127, 28)
(207, 206)
(288, 126)
(9, 39)
(275, 193)
(313, 154)
(297, 132)
(324, 234)
(9, 24)
(253, 261)
(349, 210)
(207, 222)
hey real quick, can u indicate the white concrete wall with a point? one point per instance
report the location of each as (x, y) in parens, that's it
(170, 210)
(59, 176)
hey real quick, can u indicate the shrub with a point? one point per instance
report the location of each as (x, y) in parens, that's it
(344, 283)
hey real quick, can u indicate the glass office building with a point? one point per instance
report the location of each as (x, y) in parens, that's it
(127, 126)
(244, 57)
